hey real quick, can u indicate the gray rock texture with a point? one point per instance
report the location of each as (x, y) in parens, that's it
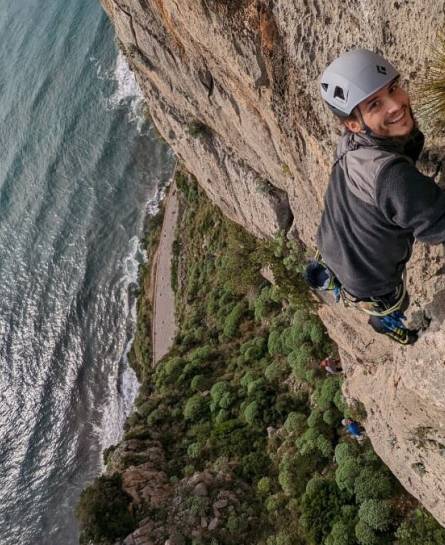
(234, 91)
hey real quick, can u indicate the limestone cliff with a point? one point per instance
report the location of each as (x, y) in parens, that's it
(233, 88)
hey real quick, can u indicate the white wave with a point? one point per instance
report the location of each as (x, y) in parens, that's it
(127, 93)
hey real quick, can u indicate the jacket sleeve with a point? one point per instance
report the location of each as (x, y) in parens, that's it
(412, 201)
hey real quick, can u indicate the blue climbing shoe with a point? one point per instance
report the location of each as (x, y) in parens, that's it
(392, 325)
(319, 277)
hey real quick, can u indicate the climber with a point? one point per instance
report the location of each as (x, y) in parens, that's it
(376, 202)
(354, 429)
(331, 366)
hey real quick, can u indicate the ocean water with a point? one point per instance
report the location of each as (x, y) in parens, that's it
(79, 169)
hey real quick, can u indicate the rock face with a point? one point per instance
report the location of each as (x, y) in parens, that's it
(233, 88)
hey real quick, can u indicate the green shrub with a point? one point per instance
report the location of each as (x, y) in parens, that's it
(169, 371)
(198, 129)
(274, 343)
(194, 450)
(251, 413)
(103, 511)
(315, 419)
(346, 473)
(218, 390)
(324, 446)
(366, 535)
(320, 506)
(420, 529)
(255, 386)
(346, 450)
(295, 423)
(376, 513)
(232, 322)
(292, 337)
(222, 416)
(198, 383)
(275, 502)
(264, 485)
(254, 349)
(299, 360)
(195, 408)
(263, 304)
(372, 484)
(317, 333)
(325, 393)
(339, 401)
(342, 533)
(275, 372)
(331, 417)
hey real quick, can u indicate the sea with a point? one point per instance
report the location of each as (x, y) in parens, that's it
(80, 169)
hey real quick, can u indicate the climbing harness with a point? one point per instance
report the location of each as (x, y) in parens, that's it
(384, 312)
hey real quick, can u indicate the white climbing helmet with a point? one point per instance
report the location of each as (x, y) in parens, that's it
(353, 77)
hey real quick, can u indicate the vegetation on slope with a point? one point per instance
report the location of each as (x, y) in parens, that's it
(240, 399)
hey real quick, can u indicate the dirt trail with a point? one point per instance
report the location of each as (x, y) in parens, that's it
(164, 325)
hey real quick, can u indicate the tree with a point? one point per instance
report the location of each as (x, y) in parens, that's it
(365, 534)
(195, 407)
(320, 506)
(342, 533)
(372, 484)
(103, 512)
(420, 529)
(346, 474)
(376, 513)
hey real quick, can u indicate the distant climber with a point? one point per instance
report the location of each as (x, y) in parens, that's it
(354, 429)
(331, 366)
(377, 202)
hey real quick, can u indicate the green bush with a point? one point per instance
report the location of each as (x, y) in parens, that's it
(299, 360)
(103, 511)
(342, 533)
(420, 529)
(274, 343)
(275, 372)
(320, 506)
(376, 513)
(254, 349)
(366, 535)
(292, 337)
(264, 485)
(315, 419)
(218, 390)
(169, 371)
(295, 423)
(346, 474)
(325, 393)
(346, 450)
(194, 450)
(195, 408)
(339, 401)
(198, 383)
(331, 417)
(233, 320)
(251, 413)
(263, 305)
(275, 502)
(373, 484)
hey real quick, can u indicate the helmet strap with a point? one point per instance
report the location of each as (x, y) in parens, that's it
(365, 127)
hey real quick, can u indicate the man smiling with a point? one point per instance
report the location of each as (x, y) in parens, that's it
(377, 202)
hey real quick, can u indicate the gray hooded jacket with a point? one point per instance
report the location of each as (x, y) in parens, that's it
(376, 204)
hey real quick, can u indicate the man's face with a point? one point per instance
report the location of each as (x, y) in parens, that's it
(387, 112)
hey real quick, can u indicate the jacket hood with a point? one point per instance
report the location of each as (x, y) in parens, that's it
(351, 141)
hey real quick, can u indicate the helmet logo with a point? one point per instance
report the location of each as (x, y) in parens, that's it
(381, 69)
